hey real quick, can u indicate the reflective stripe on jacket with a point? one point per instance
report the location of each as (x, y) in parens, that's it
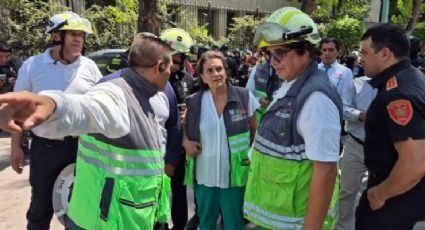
(236, 121)
(278, 187)
(119, 181)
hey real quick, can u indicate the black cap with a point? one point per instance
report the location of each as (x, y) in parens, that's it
(224, 47)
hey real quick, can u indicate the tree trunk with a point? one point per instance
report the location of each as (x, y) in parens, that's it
(149, 18)
(308, 6)
(416, 10)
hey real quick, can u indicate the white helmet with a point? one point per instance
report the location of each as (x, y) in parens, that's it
(68, 21)
(61, 191)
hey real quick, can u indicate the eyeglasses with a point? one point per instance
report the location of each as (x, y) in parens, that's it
(279, 54)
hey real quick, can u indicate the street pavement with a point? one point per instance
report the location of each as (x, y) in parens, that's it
(15, 194)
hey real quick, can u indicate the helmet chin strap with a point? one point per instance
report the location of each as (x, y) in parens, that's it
(62, 43)
(182, 63)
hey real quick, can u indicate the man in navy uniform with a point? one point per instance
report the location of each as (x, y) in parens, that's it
(395, 133)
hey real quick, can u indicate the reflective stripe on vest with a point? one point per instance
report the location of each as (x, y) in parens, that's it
(120, 161)
(239, 160)
(287, 208)
(239, 143)
(236, 121)
(273, 219)
(239, 146)
(294, 152)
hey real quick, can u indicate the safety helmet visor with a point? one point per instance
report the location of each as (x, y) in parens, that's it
(270, 32)
(180, 48)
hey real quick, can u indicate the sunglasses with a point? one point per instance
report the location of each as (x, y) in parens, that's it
(279, 54)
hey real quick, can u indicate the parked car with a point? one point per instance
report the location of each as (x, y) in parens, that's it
(103, 58)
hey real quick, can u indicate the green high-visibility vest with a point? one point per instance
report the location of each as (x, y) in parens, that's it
(236, 122)
(277, 192)
(119, 181)
(278, 188)
(115, 188)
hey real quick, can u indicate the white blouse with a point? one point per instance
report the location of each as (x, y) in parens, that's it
(213, 164)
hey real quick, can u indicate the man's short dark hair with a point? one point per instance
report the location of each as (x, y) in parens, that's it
(350, 60)
(4, 47)
(303, 46)
(391, 36)
(329, 40)
(147, 49)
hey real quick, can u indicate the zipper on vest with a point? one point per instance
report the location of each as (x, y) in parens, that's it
(230, 163)
(137, 206)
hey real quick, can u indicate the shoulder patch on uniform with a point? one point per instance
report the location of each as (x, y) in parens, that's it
(392, 83)
(400, 111)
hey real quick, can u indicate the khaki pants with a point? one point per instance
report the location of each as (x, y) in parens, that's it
(352, 182)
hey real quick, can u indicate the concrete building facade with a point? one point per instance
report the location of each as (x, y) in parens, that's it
(374, 13)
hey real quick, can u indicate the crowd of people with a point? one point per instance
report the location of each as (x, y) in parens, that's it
(258, 136)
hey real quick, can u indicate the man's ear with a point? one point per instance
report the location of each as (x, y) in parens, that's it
(55, 36)
(386, 54)
(161, 66)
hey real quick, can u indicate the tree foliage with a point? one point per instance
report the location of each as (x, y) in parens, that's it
(243, 30)
(113, 26)
(199, 33)
(406, 12)
(328, 10)
(419, 31)
(348, 31)
(26, 25)
(323, 11)
(401, 11)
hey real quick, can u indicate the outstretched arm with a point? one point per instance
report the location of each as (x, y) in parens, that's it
(103, 110)
(24, 110)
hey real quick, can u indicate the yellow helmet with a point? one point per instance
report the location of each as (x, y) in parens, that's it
(178, 39)
(68, 21)
(286, 25)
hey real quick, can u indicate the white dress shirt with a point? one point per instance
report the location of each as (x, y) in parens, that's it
(339, 76)
(356, 99)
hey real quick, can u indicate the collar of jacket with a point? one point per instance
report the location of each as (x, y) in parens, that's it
(385, 75)
(139, 82)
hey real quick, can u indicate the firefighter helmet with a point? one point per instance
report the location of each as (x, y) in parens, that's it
(68, 21)
(179, 40)
(286, 25)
